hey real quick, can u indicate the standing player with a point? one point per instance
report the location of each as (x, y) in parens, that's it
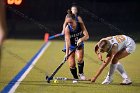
(75, 34)
(117, 47)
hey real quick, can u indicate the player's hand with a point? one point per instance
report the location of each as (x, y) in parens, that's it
(93, 79)
(79, 42)
(100, 57)
(66, 57)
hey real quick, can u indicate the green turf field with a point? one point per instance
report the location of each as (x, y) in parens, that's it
(16, 53)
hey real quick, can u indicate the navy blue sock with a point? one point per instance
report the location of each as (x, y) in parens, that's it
(74, 72)
(80, 67)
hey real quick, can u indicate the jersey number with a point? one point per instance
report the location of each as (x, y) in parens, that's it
(76, 39)
(120, 38)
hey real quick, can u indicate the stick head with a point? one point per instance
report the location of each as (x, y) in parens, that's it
(48, 79)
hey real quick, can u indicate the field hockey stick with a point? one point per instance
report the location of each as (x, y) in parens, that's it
(64, 60)
(56, 35)
(47, 37)
(69, 79)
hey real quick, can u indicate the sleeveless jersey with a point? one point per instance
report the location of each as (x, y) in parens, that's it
(76, 18)
(75, 34)
(121, 40)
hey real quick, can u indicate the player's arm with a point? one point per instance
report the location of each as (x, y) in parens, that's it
(86, 35)
(83, 27)
(103, 65)
(67, 40)
(80, 20)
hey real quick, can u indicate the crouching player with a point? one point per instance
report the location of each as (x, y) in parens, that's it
(117, 47)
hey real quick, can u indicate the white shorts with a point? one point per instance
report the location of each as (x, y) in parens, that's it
(130, 48)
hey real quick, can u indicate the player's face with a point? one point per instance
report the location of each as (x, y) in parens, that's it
(105, 49)
(74, 10)
(69, 21)
(102, 50)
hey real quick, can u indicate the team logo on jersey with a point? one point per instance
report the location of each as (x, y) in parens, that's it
(76, 34)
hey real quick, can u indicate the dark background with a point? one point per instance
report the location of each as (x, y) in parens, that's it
(33, 18)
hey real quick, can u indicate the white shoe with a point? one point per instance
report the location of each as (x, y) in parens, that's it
(82, 76)
(74, 81)
(126, 82)
(107, 81)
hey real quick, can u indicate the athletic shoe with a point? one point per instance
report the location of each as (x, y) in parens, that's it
(126, 82)
(82, 76)
(75, 81)
(107, 81)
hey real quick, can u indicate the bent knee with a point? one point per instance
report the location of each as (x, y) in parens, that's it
(72, 66)
(115, 60)
(80, 60)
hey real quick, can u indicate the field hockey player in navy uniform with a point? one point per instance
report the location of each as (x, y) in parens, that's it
(75, 34)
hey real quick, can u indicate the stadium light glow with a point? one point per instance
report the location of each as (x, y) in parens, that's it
(10, 2)
(16, 2)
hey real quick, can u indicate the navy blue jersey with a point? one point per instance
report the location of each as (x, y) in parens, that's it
(76, 18)
(75, 34)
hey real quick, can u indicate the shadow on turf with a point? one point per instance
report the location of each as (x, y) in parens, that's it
(68, 84)
(38, 83)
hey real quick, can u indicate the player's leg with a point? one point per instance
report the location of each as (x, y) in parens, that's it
(80, 55)
(72, 65)
(113, 66)
(120, 68)
(130, 49)
(122, 72)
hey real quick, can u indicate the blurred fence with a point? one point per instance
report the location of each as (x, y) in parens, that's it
(34, 18)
